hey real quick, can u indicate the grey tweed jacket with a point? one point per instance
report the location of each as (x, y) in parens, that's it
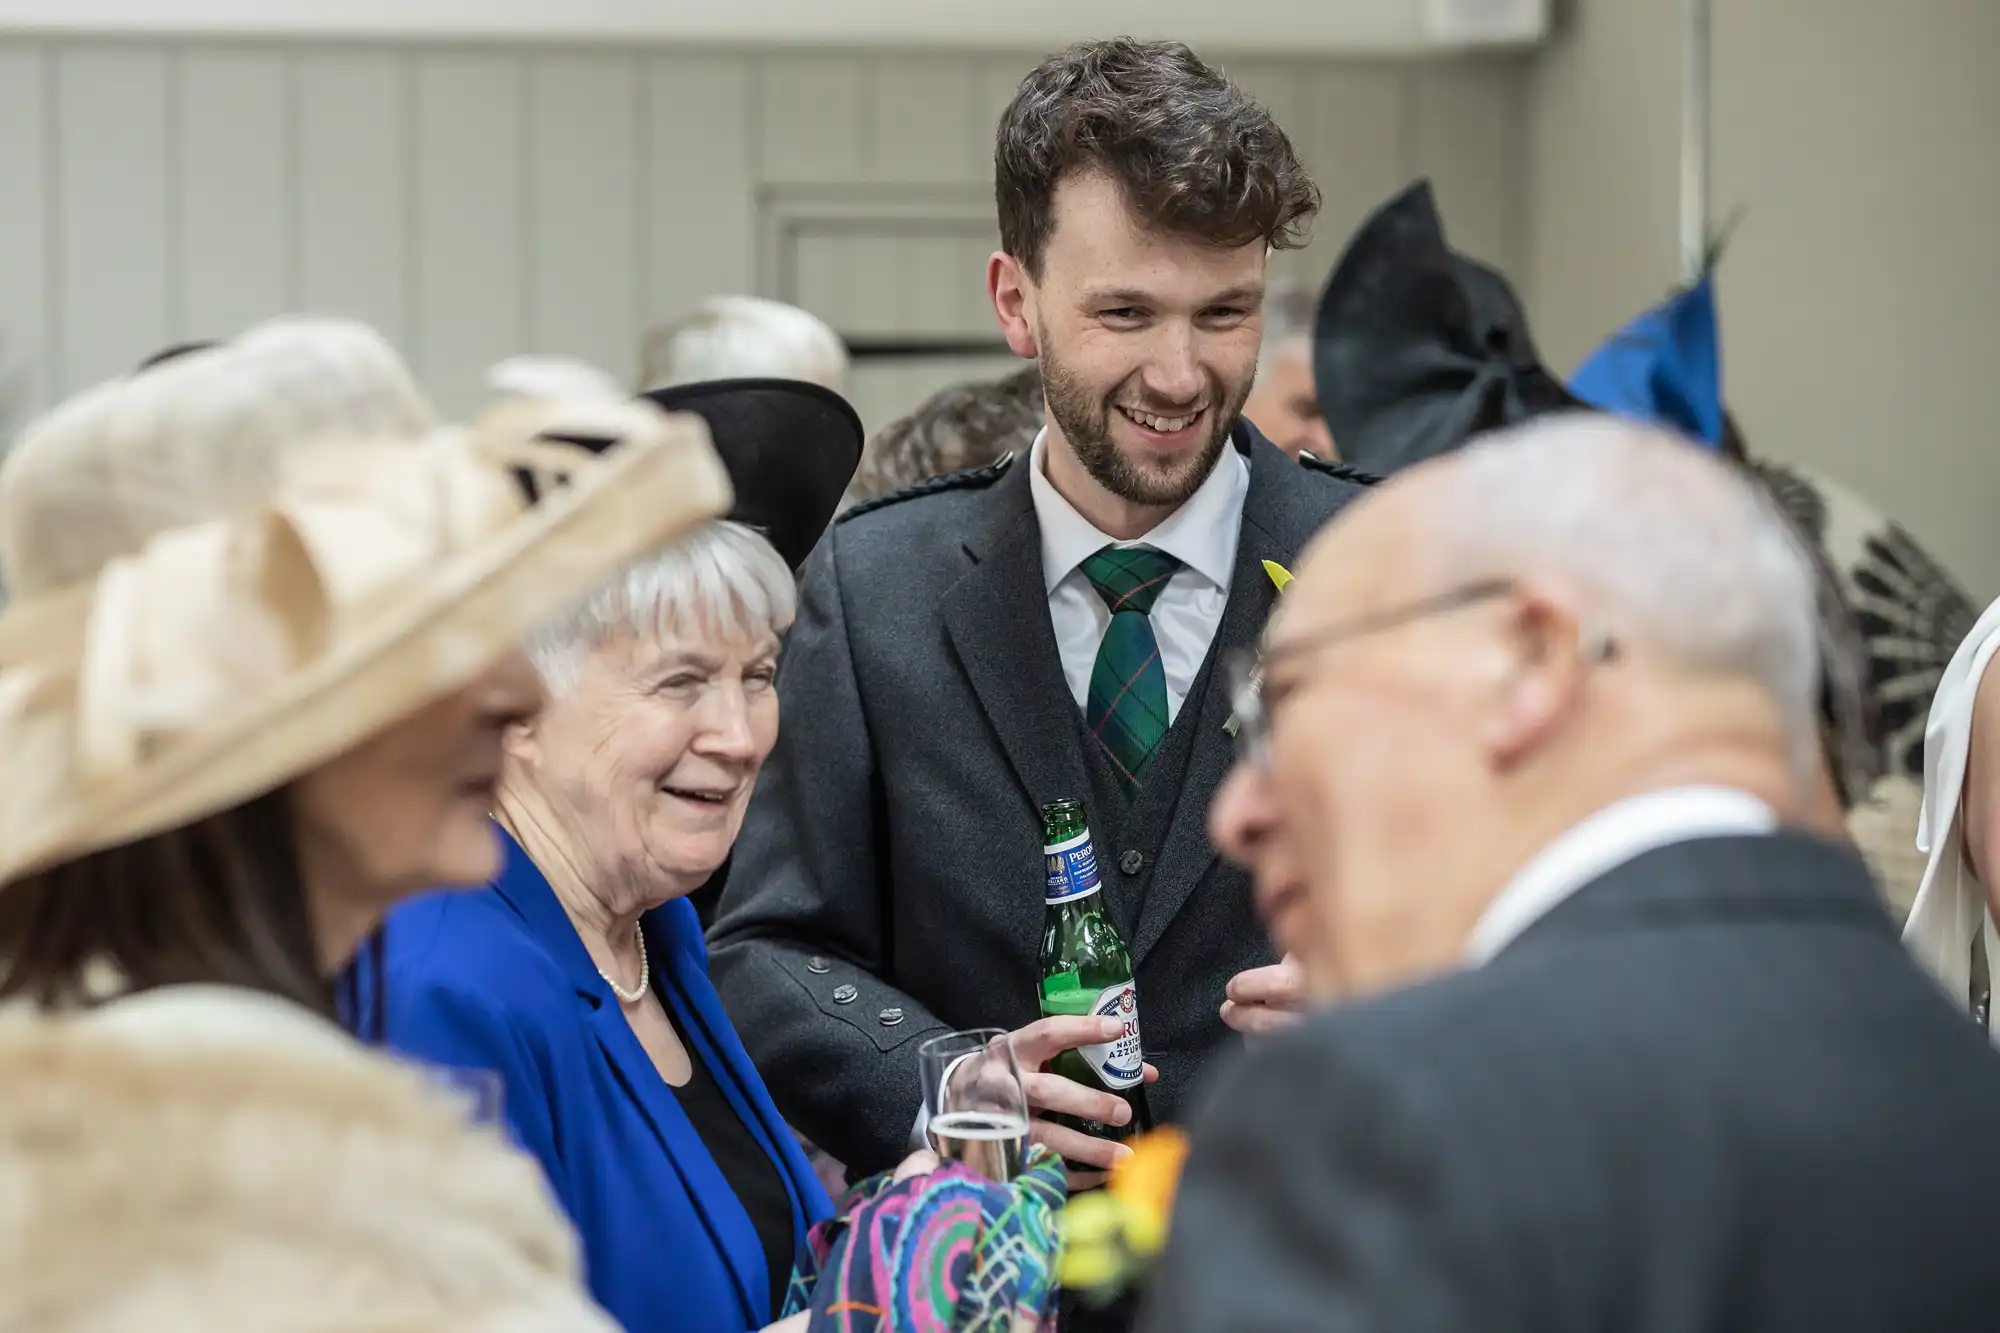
(887, 883)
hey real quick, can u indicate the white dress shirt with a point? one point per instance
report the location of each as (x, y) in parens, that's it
(1618, 833)
(1201, 534)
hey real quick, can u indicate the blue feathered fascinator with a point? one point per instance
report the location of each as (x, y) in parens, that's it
(1665, 367)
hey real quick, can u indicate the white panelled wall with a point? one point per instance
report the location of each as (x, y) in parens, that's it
(475, 203)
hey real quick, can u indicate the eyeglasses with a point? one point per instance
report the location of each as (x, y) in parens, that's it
(1246, 667)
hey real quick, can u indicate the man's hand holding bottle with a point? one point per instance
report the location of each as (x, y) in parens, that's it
(1051, 1095)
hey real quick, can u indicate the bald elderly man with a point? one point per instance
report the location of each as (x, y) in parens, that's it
(1609, 1046)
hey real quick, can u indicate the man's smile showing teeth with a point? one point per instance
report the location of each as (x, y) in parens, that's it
(1164, 425)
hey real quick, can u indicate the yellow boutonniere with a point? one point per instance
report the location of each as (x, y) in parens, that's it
(1112, 1237)
(1279, 576)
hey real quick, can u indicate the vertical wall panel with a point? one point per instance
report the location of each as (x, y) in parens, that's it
(973, 305)
(923, 115)
(823, 278)
(232, 190)
(933, 279)
(995, 80)
(1468, 141)
(25, 251)
(699, 211)
(1352, 135)
(112, 266)
(477, 203)
(1280, 86)
(584, 293)
(814, 116)
(917, 277)
(1277, 84)
(874, 265)
(472, 241)
(352, 178)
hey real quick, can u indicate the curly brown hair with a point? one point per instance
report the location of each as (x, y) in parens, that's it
(1194, 154)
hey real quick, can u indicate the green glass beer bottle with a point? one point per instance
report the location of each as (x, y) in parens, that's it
(1086, 970)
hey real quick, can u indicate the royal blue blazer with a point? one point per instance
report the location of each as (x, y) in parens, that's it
(497, 979)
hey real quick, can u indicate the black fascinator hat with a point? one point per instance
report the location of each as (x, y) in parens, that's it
(790, 447)
(1417, 348)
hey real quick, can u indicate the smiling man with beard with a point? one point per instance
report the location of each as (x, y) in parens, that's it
(953, 670)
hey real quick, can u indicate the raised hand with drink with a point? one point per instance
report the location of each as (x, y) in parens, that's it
(975, 1107)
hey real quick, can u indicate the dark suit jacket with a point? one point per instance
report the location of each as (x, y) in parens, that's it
(888, 882)
(1708, 1092)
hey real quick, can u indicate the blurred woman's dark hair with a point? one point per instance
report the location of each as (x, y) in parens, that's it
(220, 902)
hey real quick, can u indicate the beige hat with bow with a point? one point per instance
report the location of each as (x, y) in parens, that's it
(199, 434)
(375, 573)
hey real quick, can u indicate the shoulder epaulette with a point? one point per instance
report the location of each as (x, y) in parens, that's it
(1342, 471)
(971, 478)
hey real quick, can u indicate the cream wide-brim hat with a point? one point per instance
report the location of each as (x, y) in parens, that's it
(199, 436)
(228, 658)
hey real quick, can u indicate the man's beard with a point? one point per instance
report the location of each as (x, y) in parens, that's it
(1085, 421)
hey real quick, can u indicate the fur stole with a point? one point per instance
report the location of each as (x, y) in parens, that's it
(208, 1159)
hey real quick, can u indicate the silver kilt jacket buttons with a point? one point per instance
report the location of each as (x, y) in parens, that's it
(818, 966)
(890, 1017)
(845, 995)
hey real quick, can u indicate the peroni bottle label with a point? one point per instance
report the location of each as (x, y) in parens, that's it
(1072, 869)
(1121, 1063)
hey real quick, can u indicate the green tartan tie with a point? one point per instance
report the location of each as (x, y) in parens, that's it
(1126, 709)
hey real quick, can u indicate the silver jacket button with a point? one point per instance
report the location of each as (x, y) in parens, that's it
(890, 1017)
(818, 966)
(845, 995)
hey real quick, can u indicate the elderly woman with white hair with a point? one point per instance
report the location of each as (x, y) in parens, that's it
(1284, 401)
(579, 975)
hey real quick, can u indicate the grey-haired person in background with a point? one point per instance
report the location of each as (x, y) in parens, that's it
(1284, 403)
(743, 337)
(962, 426)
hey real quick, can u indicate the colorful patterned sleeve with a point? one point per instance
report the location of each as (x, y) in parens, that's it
(947, 1252)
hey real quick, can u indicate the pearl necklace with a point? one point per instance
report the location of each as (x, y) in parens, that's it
(645, 972)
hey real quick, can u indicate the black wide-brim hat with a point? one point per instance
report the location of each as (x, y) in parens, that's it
(1417, 348)
(790, 447)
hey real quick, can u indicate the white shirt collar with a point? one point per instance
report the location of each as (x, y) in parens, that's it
(1200, 534)
(1614, 835)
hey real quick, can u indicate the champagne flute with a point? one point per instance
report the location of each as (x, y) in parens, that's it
(976, 1105)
